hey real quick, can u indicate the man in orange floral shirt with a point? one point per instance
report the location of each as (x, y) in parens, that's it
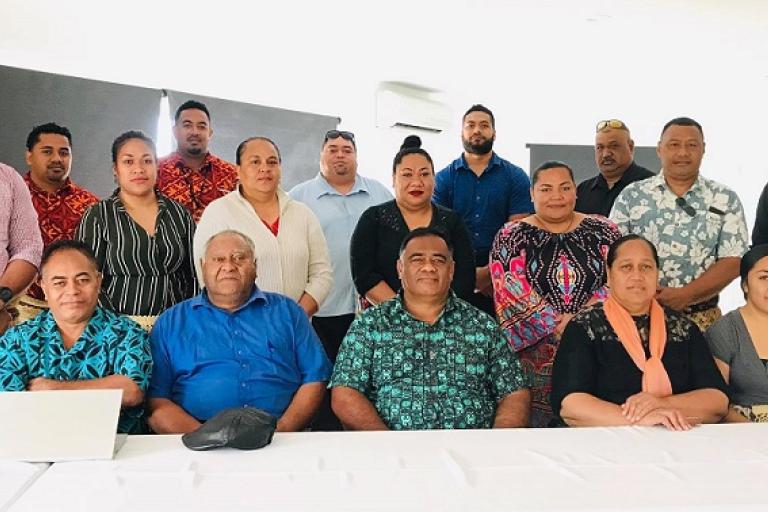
(192, 175)
(59, 203)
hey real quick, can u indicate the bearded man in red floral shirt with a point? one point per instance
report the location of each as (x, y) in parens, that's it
(192, 175)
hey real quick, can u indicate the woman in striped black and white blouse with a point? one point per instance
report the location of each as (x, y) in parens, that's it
(141, 239)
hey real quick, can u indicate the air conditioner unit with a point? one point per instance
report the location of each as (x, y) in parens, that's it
(411, 109)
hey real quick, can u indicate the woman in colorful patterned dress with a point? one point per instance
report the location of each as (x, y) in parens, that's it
(545, 268)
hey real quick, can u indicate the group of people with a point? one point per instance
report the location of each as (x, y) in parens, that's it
(474, 298)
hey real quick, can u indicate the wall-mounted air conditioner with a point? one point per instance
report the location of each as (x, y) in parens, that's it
(410, 107)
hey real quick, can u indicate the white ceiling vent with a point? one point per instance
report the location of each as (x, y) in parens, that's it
(410, 106)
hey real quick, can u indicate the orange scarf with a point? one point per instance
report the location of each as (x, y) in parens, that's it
(655, 378)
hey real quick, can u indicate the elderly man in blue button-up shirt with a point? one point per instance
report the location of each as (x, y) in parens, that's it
(234, 346)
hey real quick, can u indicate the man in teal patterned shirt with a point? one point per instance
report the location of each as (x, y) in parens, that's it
(426, 359)
(76, 345)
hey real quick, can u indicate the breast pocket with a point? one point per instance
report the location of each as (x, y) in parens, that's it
(713, 223)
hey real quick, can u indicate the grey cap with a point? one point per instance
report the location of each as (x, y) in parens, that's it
(244, 428)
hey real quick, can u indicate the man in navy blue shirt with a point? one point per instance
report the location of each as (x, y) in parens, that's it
(486, 190)
(233, 346)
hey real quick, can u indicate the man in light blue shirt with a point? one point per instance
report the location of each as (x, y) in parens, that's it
(338, 196)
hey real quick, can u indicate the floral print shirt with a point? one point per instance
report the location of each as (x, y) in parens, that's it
(689, 236)
(110, 345)
(419, 376)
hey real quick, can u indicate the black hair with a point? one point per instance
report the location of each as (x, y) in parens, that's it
(67, 245)
(411, 146)
(749, 260)
(550, 164)
(191, 105)
(335, 134)
(682, 121)
(424, 232)
(241, 148)
(480, 108)
(34, 136)
(121, 139)
(614, 248)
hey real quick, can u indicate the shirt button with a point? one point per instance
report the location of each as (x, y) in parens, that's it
(242, 384)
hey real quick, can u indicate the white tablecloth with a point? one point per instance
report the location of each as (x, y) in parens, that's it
(721, 467)
(15, 477)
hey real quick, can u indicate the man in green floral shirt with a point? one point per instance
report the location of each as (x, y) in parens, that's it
(426, 359)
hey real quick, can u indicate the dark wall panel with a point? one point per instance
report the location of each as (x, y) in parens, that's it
(582, 158)
(299, 135)
(95, 112)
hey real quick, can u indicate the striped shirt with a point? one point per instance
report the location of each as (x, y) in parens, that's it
(19, 233)
(143, 274)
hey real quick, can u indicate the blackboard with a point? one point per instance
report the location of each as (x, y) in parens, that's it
(299, 135)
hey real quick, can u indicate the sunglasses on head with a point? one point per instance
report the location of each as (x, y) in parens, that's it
(682, 203)
(611, 123)
(335, 134)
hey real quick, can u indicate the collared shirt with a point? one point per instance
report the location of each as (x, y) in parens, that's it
(451, 374)
(687, 245)
(58, 215)
(195, 189)
(594, 195)
(143, 274)
(338, 215)
(110, 345)
(208, 359)
(485, 202)
(19, 233)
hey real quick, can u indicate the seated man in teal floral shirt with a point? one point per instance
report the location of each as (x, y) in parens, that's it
(76, 345)
(426, 359)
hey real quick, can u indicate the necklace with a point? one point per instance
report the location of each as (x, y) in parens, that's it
(545, 225)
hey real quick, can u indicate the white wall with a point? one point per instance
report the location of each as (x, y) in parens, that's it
(548, 69)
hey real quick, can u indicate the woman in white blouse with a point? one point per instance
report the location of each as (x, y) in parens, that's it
(291, 252)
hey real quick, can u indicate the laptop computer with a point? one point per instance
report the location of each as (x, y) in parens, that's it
(57, 426)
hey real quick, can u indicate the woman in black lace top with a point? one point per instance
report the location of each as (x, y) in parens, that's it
(381, 229)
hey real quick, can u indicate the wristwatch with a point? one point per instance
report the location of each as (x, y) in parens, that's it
(6, 294)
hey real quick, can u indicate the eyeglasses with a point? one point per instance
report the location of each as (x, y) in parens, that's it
(682, 203)
(335, 134)
(611, 123)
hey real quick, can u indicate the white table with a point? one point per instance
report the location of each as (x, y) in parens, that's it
(15, 478)
(722, 467)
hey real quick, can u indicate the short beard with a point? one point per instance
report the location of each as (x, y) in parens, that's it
(478, 149)
(194, 151)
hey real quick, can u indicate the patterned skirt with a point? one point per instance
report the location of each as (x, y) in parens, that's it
(537, 363)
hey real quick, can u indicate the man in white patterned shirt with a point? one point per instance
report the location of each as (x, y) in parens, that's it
(697, 224)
